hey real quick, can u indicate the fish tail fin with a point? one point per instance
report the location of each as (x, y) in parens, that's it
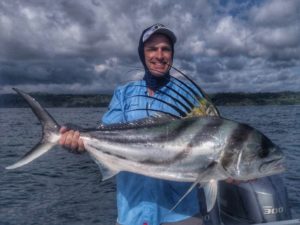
(50, 132)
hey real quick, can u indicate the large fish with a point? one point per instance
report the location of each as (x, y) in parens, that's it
(193, 149)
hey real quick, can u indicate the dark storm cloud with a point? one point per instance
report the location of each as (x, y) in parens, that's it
(209, 66)
(90, 46)
(57, 72)
(79, 13)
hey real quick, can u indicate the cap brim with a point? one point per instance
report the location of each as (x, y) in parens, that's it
(167, 32)
(164, 31)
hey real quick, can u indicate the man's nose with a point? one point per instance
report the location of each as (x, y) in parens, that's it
(159, 54)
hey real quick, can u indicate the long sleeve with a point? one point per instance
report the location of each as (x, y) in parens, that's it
(115, 113)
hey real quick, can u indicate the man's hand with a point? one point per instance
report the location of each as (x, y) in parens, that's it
(237, 182)
(232, 181)
(71, 140)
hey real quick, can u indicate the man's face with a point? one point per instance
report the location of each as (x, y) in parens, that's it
(158, 54)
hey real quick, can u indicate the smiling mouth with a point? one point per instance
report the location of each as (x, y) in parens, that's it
(159, 63)
(157, 66)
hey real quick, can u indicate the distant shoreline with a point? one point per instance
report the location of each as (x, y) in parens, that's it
(102, 100)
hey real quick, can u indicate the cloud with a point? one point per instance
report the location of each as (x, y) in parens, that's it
(91, 46)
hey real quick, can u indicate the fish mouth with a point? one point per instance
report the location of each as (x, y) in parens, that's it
(273, 166)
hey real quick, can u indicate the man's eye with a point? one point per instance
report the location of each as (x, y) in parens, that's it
(151, 49)
(167, 49)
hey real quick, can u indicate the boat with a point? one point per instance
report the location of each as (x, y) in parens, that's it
(260, 201)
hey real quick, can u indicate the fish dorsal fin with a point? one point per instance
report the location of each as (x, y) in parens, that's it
(210, 191)
(205, 108)
(159, 116)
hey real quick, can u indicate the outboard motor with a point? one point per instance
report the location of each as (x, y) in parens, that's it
(260, 201)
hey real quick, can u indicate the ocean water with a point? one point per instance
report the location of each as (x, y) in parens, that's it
(64, 188)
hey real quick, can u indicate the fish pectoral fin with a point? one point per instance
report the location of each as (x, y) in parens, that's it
(198, 181)
(210, 191)
(185, 194)
(212, 188)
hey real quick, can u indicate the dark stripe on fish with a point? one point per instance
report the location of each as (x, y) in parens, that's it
(235, 143)
(266, 145)
(117, 156)
(163, 136)
(208, 131)
(210, 128)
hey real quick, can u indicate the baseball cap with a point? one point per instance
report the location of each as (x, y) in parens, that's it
(158, 29)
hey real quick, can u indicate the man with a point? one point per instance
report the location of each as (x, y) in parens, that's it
(143, 200)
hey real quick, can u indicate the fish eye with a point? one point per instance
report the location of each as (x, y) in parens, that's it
(263, 152)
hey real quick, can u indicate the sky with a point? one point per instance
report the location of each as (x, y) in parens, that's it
(90, 46)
